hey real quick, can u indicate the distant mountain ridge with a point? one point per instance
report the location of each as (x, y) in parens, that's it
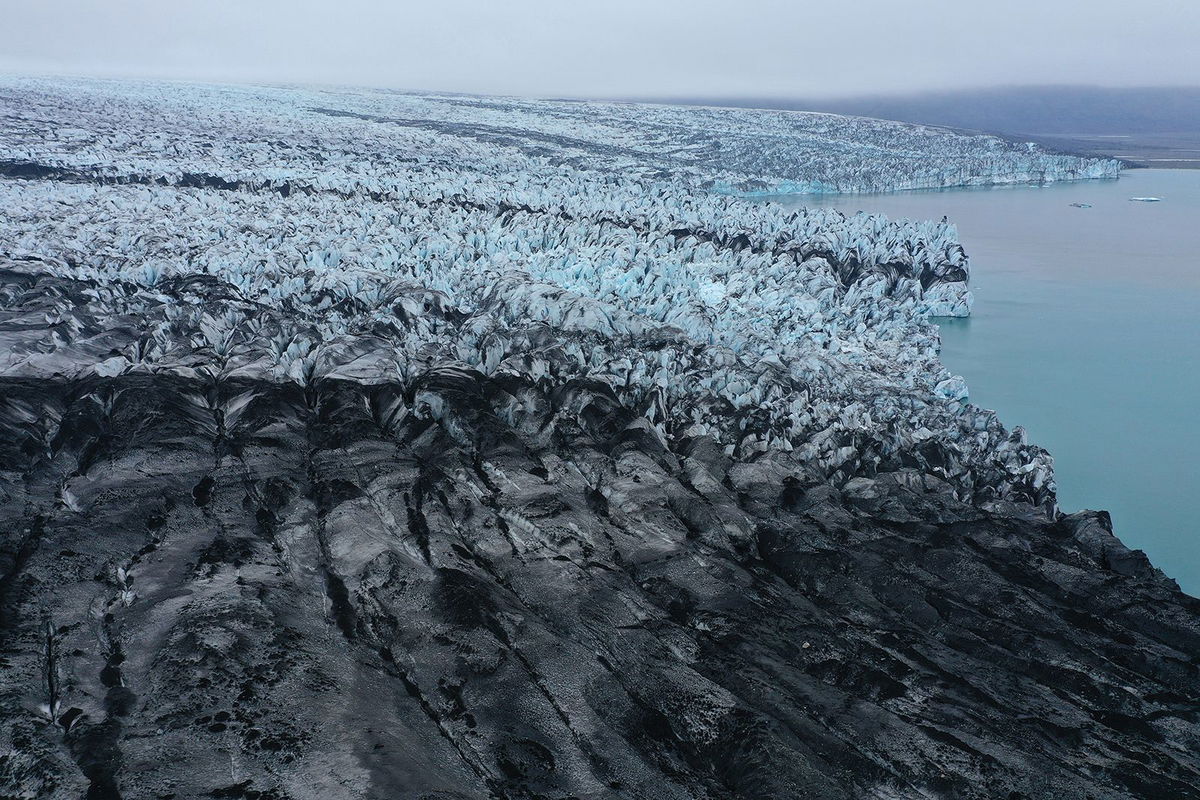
(1058, 110)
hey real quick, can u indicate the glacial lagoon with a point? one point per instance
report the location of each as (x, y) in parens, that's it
(1086, 331)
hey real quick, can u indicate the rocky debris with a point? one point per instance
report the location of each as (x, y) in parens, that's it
(478, 586)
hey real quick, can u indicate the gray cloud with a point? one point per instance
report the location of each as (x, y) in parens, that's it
(759, 48)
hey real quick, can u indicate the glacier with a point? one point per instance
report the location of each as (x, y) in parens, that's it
(358, 443)
(321, 209)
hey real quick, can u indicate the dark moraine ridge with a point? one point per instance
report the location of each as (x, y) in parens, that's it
(333, 603)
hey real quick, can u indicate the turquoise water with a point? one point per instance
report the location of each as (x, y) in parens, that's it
(1086, 330)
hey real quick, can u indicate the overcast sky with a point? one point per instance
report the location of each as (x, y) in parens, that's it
(625, 48)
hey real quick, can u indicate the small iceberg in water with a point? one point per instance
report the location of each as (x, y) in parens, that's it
(1081, 205)
(1145, 199)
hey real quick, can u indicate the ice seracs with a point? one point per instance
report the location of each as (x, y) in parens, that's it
(294, 235)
